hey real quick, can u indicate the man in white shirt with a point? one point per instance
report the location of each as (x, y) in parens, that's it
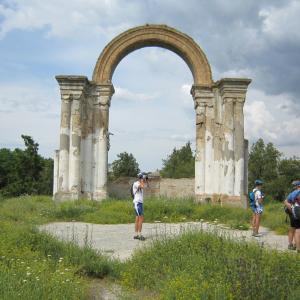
(138, 199)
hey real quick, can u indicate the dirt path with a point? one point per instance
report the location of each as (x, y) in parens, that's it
(117, 240)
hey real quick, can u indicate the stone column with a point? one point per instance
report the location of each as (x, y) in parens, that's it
(55, 171)
(75, 147)
(229, 146)
(203, 103)
(100, 139)
(239, 147)
(71, 89)
(63, 164)
(233, 92)
(246, 159)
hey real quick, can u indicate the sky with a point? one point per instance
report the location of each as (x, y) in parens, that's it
(152, 111)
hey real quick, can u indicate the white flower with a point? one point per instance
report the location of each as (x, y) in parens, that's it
(24, 280)
(28, 273)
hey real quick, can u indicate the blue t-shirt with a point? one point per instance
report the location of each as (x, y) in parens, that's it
(291, 197)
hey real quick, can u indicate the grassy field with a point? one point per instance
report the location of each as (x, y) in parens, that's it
(33, 265)
(38, 210)
(202, 266)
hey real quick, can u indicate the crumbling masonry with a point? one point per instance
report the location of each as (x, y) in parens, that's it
(80, 165)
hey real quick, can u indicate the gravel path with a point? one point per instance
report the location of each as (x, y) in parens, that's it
(117, 240)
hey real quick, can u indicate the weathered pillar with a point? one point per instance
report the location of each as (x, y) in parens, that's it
(233, 92)
(246, 159)
(100, 139)
(204, 106)
(72, 90)
(75, 147)
(64, 147)
(239, 147)
(55, 171)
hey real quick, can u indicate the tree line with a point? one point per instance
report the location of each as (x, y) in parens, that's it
(27, 172)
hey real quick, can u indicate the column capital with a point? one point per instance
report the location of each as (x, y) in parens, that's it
(202, 95)
(103, 94)
(233, 89)
(71, 86)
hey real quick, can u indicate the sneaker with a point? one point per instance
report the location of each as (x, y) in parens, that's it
(142, 238)
(257, 235)
(136, 237)
(292, 247)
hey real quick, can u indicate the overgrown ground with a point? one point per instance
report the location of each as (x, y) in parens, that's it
(34, 265)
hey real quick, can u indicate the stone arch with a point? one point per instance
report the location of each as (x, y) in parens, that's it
(81, 163)
(153, 36)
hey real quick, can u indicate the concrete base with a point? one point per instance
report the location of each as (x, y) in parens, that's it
(65, 196)
(100, 195)
(220, 199)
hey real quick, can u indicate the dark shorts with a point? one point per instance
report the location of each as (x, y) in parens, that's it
(138, 208)
(295, 223)
(257, 210)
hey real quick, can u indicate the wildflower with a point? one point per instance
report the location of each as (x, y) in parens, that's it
(27, 268)
(24, 280)
(66, 269)
(28, 273)
(22, 262)
(49, 255)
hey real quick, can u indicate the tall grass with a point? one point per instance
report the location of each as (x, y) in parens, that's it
(203, 266)
(34, 265)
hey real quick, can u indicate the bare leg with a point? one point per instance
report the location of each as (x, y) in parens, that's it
(297, 239)
(136, 227)
(257, 222)
(253, 223)
(291, 235)
(140, 223)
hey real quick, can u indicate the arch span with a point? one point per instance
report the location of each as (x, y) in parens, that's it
(153, 36)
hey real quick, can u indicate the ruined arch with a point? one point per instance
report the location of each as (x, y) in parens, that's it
(153, 36)
(80, 164)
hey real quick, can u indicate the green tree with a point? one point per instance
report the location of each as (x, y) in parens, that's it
(25, 171)
(266, 163)
(125, 165)
(180, 164)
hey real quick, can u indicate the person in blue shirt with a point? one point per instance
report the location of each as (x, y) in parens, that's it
(257, 207)
(294, 223)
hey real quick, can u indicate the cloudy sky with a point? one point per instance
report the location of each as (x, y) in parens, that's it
(152, 111)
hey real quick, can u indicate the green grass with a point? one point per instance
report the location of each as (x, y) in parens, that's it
(204, 266)
(34, 265)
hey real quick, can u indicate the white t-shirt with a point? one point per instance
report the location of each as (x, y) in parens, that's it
(258, 195)
(138, 193)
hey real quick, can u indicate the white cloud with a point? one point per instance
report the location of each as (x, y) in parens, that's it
(272, 118)
(283, 22)
(66, 18)
(122, 94)
(24, 97)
